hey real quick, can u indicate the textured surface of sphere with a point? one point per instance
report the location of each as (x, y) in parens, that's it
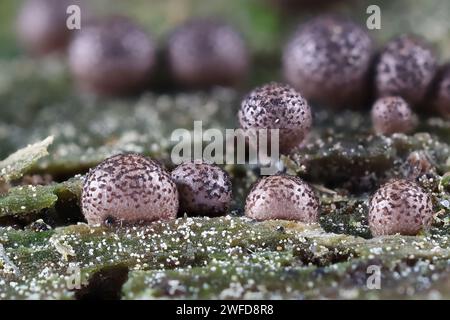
(277, 106)
(112, 56)
(441, 93)
(405, 68)
(128, 188)
(282, 197)
(204, 189)
(41, 25)
(204, 53)
(400, 206)
(328, 60)
(392, 115)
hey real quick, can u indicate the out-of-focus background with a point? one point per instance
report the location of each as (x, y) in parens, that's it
(265, 23)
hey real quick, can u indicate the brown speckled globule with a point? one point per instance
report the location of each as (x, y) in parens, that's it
(392, 115)
(204, 53)
(277, 106)
(128, 188)
(400, 206)
(204, 189)
(328, 59)
(282, 197)
(405, 68)
(112, 57)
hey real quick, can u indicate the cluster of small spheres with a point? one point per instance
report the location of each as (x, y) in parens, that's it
(132, 188)
(332, 62)
(114, 56)
(328, 61)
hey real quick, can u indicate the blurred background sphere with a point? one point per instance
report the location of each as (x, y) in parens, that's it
(41, 25)
(205, 53)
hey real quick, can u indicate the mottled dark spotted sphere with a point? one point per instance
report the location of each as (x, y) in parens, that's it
(405, 68)
(392, 115)
(277, 106)
(400, 206)
(42, 25)
(204, 189)
(282, 197)
(328, 60)
(112, 56)
(204, 53)
(441, 92)
(128, 188)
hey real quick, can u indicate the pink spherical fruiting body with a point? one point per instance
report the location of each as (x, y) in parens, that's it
(204, 189)
(328, 59)
(282, 197)
(128, 188)
(276, 106)
(400, 206)
(392, 115)
(405, 68)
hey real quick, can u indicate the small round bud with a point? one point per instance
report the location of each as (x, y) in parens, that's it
(392, 115)
(400, 206)
(277, 106)
(282, 197)
(205, 53)
(128, 188)
(405, 68)
(328, 60)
